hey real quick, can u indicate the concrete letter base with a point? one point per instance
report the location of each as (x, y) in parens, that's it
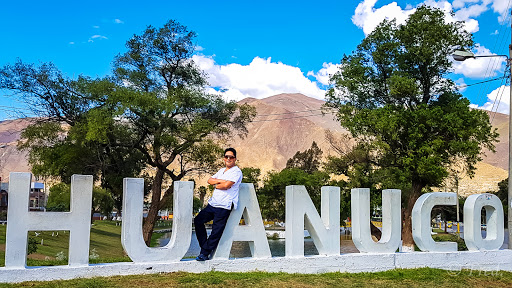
(352, 263)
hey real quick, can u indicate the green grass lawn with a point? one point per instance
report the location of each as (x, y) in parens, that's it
(105, 244)
(424, 277)
(106, 247)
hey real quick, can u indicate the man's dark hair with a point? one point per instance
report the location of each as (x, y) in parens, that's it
(230, 149)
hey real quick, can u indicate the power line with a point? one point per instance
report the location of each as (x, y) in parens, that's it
(494, 62)
(481, 82)
(502, 87)
(269, 120)
(286, 113)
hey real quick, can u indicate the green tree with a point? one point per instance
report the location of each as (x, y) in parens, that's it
(197, 205)
(271, 196)
(308, 161)
(169, 118)
(355, 161)
(202, 193)
(392, 92)
(251, 175)
(152, 112)
(32, 245)
(59, 197)
(102, 201)
(502, 193)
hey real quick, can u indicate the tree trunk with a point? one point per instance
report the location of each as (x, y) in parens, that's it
(156, 192)
(407, 240)
(201, 197)
(375, 231)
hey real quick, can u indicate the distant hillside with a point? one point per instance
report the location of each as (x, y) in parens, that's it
(12, 160)
(286, 123)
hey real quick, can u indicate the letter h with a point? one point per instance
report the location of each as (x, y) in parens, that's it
(20, 220)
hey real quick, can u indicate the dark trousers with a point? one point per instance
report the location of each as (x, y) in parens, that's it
(220, 217)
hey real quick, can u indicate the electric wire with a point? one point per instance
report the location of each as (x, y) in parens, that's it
(501, 90)
(494, 62)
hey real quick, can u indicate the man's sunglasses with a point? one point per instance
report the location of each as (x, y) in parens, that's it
(229, 157)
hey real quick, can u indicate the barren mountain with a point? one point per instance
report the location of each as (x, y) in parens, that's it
(12, 160)
(286, 123)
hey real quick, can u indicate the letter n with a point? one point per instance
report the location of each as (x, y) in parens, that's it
(253, 231)
(301, 213)
(20, 220)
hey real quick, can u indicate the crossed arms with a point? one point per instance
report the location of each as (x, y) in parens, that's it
(221, 184)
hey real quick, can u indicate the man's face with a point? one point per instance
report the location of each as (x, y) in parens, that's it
(229, 159)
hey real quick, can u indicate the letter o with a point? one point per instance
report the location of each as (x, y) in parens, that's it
(472, 222)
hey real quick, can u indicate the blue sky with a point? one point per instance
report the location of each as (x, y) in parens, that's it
(249, 48)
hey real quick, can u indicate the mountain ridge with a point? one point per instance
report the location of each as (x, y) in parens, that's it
(286, 123)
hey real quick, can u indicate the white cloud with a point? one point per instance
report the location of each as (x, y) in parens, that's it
(96, 37)
(496, 32)
(501, 7)
(498, 100)
(71, 43)
(472, 10)
(118, 21)
(199, 48)
(480, 67)
(367, 17)
(96, 27)
(324, 74)
(259, 79)
(461, 84)
(457, 4)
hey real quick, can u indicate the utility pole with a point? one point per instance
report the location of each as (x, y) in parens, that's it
(457, 191)
(509, 226)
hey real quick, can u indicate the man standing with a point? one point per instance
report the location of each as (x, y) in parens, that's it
(224, 199)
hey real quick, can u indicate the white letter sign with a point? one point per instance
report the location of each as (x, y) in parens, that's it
(77, 221)
(131, 234)
(472, 222)
(421, 221)
(391, 224)
(301, 212)
(253, 231)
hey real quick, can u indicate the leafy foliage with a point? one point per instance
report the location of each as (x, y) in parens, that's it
(271, 196)
(152, 112)
(502, 193)
(392, 94)
(308, 161)
(59, 198)
(32, 245)
(60, 195)
(251, 175)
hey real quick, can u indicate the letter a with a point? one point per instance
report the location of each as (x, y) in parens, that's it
(391, 224)
(131, 234)
(253, 230)
(301, 212)
(20, 220)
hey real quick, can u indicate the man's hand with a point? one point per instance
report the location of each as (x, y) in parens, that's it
(220, 184)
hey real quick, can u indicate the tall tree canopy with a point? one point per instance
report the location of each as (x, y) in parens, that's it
(152, 113)
(392, 92)
(308, 161)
